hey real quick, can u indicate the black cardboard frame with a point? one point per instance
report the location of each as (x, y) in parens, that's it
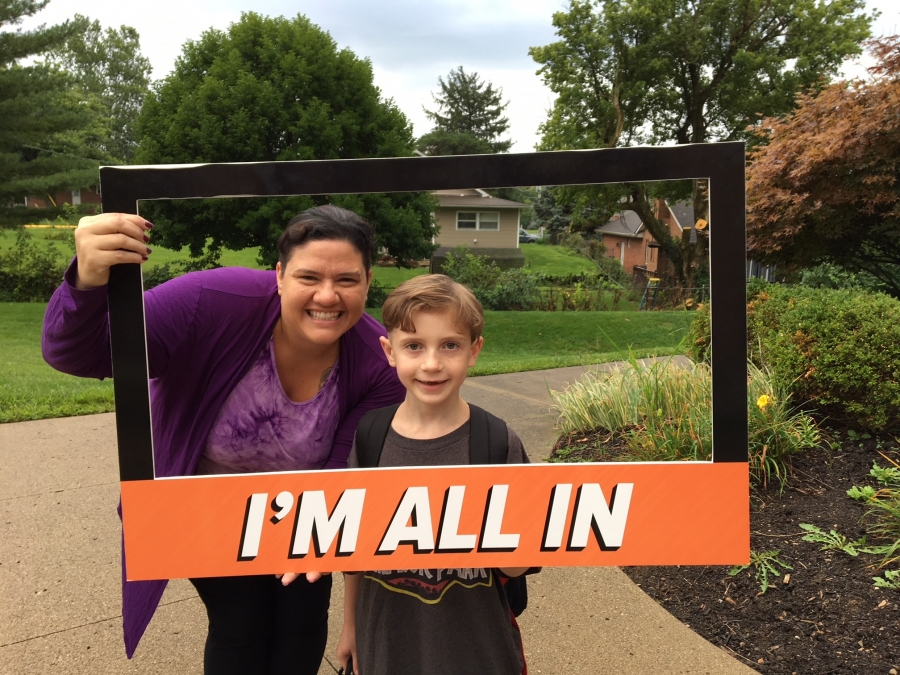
(721, 163)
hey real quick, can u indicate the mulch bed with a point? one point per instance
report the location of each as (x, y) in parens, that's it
(827, 617)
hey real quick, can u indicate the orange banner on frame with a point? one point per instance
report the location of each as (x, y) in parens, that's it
(441, 517)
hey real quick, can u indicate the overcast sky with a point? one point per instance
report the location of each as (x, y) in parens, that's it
(410, 42)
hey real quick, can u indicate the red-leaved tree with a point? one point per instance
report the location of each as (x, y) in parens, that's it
(823, 186)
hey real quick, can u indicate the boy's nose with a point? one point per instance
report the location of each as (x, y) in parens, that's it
(432, 362)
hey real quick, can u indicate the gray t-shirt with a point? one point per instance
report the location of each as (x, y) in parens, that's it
(436, 621)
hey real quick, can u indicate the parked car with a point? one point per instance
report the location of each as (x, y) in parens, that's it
(525, 238)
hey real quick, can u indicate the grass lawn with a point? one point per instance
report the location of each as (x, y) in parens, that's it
(8, 238)
(520, 341)
(555, 260)
(391, 277)
(514, 342)
(29, 388)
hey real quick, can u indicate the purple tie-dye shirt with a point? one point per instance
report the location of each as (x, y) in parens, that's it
(259, 428)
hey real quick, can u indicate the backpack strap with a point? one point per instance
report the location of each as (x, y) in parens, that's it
(370, 434)
(488, 437)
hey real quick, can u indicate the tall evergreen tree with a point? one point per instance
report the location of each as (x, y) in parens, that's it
(108, 65)
(46, 129)
(469, 119)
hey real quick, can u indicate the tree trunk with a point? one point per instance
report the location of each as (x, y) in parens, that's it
(643, 206)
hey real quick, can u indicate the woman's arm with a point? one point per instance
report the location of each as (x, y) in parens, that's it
(75, 337)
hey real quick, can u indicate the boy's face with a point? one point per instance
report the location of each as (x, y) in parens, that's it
(432, 362)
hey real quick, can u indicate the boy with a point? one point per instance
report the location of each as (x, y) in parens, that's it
(453, 621)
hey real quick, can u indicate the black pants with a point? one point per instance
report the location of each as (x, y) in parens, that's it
(259, 627)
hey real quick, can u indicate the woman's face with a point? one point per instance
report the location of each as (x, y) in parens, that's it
(323, 291)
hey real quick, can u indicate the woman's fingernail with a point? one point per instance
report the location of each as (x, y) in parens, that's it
(148, 224)
(144, 258)
(149, 250)
(146, 239)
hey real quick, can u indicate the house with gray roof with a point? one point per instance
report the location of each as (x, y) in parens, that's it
(629, 241)
(489, 225)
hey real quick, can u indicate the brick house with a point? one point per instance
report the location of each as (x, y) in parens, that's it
(629, 241)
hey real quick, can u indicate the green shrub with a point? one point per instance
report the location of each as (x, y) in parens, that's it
(515, 289)
(377, 294)
(838, 349)
(30, 272)
(829, 275)
(507, 290)
(160, 274)
(474, 271)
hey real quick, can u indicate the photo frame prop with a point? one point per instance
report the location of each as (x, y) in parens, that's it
(656, 513)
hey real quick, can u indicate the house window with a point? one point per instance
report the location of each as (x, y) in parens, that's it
(76, 197)
(477, 220)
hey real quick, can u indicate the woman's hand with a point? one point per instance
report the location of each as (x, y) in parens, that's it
(106, 240)
(288, 578)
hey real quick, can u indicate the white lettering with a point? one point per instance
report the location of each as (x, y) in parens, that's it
(314, 524)
(414, 508)
(449, 538)
(253, 522)
(592, 513)
(491, 537)
(556, 517)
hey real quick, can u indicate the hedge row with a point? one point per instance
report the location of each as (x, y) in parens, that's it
(838, 350)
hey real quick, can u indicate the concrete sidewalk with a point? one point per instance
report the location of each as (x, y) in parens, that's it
(59, 566)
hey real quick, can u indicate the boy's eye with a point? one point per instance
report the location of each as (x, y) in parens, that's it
(413, 347)
(451, 345)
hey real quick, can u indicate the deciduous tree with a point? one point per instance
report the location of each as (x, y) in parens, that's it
(108, 65)
(823, 187)
(469, 119)
(682, 71)
(275, 89)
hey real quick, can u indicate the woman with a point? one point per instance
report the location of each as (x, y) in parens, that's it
(250, 371)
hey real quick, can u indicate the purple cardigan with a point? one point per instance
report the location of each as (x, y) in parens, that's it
(203, 332)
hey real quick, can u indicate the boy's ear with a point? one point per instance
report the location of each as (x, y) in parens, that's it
(388, 350)
(476, 350)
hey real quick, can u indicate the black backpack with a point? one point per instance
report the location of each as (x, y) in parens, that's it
(488, 444)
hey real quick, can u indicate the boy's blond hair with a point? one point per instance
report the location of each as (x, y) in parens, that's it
(434, 293)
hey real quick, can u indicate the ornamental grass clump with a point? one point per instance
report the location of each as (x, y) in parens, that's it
(662, 412)
(776, 428)
(661, 409)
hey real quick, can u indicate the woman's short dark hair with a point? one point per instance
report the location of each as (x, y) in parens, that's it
(327, 222)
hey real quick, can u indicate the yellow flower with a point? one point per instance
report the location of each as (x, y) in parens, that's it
(764, 401)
